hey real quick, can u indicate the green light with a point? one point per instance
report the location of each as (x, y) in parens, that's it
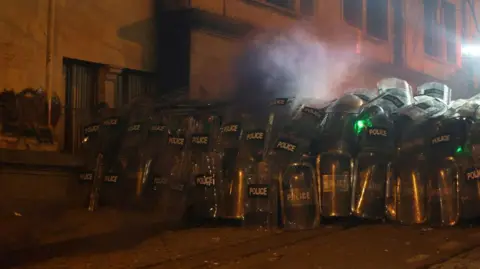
(359, 126)
(459, 149)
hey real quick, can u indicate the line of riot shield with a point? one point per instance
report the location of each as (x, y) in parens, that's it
(334, 163)
(205, 162)
(133, 184)
(291, 164)
(171, 167)
(231, 183)
(373, 163)
(104, 189)
(261, 202)
(409, 182)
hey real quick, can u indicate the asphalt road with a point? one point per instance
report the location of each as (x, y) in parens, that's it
(329, 247)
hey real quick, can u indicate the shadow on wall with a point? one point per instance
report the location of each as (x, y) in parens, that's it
(165, 40)
(141, 33)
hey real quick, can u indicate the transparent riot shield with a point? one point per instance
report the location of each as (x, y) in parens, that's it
(89, 149)
(136, 188)
(231, 184)
(205, 162)
(470, 176)
(300, 207)
(105, 190)
(443, 199)
(261, 203)
(374, 127)
(292, 161)
(157, 140)
(334, 163)
(414, 123)
(442, 193)
(408, 190)
(172, 166)
(466, 157)
(371, 169)
(454, 143)
(436, 90)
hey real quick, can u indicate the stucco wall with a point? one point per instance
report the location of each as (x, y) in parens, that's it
(23, 25)
(99, 31)
(211, 65)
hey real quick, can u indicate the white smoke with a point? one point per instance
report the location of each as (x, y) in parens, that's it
(293, 63)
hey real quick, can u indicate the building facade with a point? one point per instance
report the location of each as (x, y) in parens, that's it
(418, 41)
(91, 51)
(77, 50)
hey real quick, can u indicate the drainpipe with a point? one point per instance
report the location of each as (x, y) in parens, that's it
(49, 55)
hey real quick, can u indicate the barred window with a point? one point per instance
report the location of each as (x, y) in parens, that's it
(132, 83)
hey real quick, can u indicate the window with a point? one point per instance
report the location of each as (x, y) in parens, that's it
(451, 31)
(440, 28)
(377, 18)
(352, 12)
(288, 4)
(307, 7)
(132, 84)
(431, 37)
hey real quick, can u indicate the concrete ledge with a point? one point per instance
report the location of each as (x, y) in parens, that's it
(39, 190)
(39, 158)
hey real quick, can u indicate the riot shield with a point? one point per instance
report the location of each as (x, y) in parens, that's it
(171, 166)
(106, 190)
(136, 188)
(89, 150)
(157, 140)
(470, 178)
(205, 162)
(334, 163)
(408, 203)
(290, 161)
(231, 184)
(374, 127)
(465, 138)
(260, 128)
(436, 90)
(443, 199)
(412, 124)
(371, 168)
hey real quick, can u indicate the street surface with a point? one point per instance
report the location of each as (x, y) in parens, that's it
(330, 247)
(467, 260)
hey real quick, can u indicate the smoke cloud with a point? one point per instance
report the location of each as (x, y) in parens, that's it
(292, 63)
